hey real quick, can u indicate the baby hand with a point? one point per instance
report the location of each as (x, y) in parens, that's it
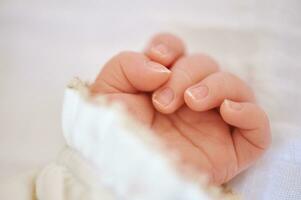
(210, 117)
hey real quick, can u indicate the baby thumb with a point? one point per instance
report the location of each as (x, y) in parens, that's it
(130, 72)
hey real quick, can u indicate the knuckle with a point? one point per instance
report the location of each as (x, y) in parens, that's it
(234, 85)
(185, 74)
(124, 54)
(220, 78)
(169, 40)
(204, 60)
(167, 37)
(126, 57)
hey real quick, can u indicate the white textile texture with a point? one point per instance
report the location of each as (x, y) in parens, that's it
(277, 175)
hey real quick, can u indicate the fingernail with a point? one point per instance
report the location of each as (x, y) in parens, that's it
(164, 97)
(197, 93)
(233, 105)
(160, 49)
(157, 67)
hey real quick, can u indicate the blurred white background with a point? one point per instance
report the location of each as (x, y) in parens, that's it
(43, 44)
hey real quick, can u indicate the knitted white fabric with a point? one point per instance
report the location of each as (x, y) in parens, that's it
(125, 157)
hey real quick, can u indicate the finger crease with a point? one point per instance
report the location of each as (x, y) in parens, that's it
(195, 145)
(126, 78)
(249, 141)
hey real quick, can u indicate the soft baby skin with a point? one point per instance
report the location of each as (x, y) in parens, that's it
(208, 116)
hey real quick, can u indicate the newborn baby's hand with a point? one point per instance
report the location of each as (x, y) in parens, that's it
(209, 117)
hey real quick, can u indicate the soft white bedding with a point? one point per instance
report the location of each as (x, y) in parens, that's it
(278, 174)
(43, 44)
